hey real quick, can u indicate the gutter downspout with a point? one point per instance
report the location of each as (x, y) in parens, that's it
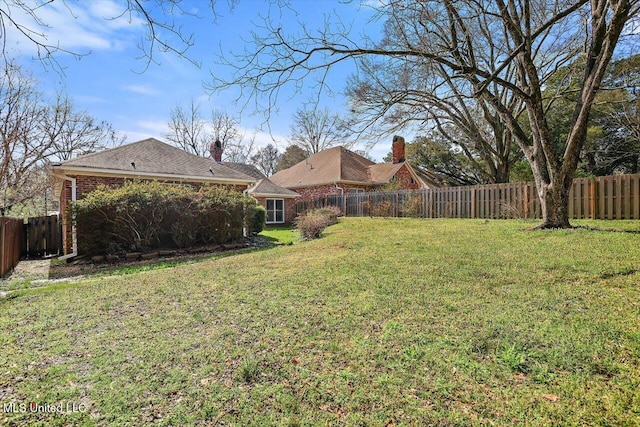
(245, 230)
(343, 207)
(74, 232)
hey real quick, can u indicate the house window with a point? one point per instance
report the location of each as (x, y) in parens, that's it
(356, 190)
(275, 211)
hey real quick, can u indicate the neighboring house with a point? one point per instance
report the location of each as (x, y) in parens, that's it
(340, 171)
(151, 159)
(279, 202)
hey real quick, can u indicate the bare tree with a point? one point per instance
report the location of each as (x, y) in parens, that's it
(613, 136)
(387, 95)
(35, 131)
(188, 130)
(70, 133)
(266, 159)
(226, 129)
(237, 146)
(315, 130)
(160, 30)
(529, 39)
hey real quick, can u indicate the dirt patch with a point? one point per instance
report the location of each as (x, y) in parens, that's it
(43, 272)
(26, 272)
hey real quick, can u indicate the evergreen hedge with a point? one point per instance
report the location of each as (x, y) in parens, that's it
(146, 215)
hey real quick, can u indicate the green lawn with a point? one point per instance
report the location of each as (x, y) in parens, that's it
(380, 322)
(281, 235)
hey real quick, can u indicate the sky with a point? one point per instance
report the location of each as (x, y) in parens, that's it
(110, 81)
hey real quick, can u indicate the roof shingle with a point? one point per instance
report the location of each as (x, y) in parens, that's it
(151, 156)
(264, 187)
(338, 164)
(328, 166)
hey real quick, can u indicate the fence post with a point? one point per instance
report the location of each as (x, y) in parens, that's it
(2, 236)
(636, 197)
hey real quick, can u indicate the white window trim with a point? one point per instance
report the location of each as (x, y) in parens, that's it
(284, 210)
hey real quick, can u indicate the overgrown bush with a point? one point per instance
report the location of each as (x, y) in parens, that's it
(333, 212)
(312, 223)
(413, 207)
(257, 219)
(143, 215)
(382, 209)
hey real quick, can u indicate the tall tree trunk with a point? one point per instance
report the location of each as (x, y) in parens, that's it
(552, 187)
(503, 170)
(554, 203)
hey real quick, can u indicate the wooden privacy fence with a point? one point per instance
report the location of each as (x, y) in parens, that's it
(11, 243)
(607, 197)
(44, 236)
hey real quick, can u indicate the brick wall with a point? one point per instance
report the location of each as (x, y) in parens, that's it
(407, 182)
(397, 149)
(65, 199)
(86, 184)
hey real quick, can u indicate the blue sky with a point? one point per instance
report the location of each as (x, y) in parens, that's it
(109, 85)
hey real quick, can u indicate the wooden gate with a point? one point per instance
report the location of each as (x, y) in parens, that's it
(44, 236)
(11, 243)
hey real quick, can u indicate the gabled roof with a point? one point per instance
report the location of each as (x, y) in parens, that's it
(246, 169)
(336, 164)
(266, 188)
(339, 165)
(383, 172)
(153, 158)
(427, 178)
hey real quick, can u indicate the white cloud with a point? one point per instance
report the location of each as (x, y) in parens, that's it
(154, 128)
(89, 99)
(141, 89)
(78, 27)
(262, 138)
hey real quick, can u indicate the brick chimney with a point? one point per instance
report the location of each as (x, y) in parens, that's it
(398, 149)
(216, 151)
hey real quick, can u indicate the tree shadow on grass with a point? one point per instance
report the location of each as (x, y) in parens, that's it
(609, 230)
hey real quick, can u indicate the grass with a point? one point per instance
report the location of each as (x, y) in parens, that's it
(60, 270)
(281, 235)
(380, 322)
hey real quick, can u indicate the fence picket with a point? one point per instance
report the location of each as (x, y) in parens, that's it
(609, 197)
(11, 243)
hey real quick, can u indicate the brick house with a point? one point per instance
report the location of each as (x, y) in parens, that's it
(279, 202)
(338, 171)
(151, 159)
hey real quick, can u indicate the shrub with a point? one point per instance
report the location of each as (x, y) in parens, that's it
(333, 212)
(312, 223)
(512, 211)
(183, 233)
(383, 208)
(221, 214)
(413, 207)
(148, 214)
(311, 226)
(257, 219)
